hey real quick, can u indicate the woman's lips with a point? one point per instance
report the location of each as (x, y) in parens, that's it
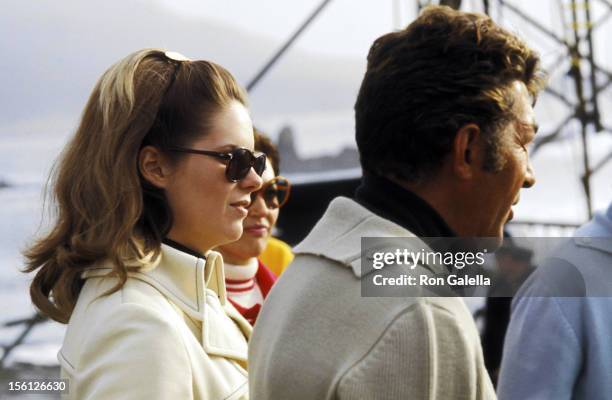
(241, 207)
(256, 230)
(241, 210)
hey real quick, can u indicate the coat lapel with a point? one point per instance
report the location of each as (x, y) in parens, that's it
(197, 287)
(222, 336)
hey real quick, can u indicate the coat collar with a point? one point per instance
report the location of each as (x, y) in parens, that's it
(597, 243)
(197, 287)
(596, 233)
(338, 236)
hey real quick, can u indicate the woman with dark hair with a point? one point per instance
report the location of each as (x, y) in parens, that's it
(248, 279)
(159, 172)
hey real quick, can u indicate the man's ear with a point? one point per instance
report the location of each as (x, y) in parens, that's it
(466, 151)
(154, 166)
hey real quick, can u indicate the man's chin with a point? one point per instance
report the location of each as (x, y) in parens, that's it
(493, 239)
(495, 243)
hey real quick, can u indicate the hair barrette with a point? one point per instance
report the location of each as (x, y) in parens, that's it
(173, 55)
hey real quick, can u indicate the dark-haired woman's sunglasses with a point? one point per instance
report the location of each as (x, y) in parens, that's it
(240, 161)
(275, 192)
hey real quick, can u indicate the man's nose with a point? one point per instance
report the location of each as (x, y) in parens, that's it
(530, 178)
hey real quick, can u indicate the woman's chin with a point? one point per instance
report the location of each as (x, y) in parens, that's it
(233, 234)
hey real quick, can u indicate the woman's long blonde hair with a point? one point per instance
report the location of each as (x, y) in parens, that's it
(104, 209)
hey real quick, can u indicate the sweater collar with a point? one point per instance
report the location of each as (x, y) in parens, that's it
(338, 236)
(395, 203)
(241, 273)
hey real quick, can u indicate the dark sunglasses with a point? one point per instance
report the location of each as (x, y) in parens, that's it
(240, 161)
(275, 192)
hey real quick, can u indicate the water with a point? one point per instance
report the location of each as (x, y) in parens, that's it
(21, 216)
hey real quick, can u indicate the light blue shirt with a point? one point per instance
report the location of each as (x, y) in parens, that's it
(561, 347)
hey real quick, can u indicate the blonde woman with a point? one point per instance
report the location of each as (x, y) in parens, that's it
(159, 172)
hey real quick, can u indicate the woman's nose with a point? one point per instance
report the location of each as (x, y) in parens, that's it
(252, 181)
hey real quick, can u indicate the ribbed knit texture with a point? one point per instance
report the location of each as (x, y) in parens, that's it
(241, 285)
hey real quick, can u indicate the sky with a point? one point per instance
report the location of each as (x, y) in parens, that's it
(344, 28)
(55, 50)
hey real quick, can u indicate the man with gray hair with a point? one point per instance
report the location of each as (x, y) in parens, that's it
(443, 119)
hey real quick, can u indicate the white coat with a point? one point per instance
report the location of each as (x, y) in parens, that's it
(168, 333)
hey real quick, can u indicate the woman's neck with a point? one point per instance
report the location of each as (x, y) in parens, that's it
(183, 247)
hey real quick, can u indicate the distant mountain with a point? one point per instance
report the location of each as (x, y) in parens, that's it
(291, 162)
